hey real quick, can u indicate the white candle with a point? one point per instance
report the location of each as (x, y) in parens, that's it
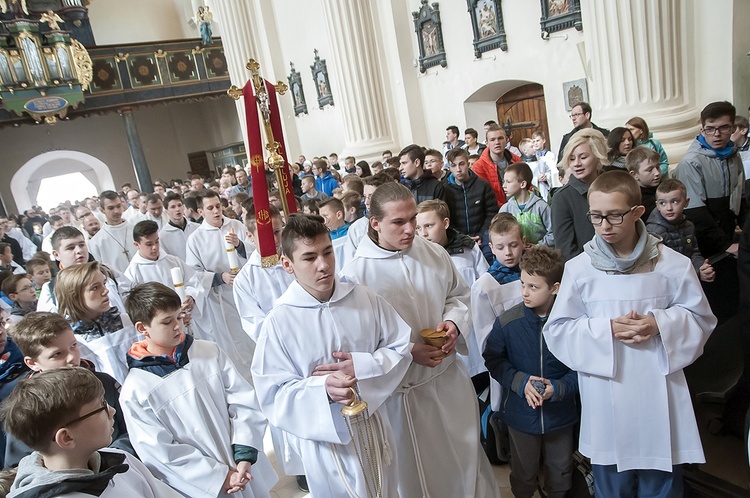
(177, 280)
(234, 260)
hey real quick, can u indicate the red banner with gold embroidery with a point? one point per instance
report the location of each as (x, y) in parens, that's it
(286, 188)
(265, 243)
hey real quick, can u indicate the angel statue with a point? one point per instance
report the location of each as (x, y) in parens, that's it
(51, 18)
(204, 17)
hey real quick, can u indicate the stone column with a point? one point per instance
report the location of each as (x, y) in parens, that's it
(140, 165)
(638, 64)
(357, 77)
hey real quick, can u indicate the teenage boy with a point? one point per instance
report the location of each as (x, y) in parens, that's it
(40, 273)
(47, 342)
(532, 213)
(669, 222)
(69, 248)
(500, 288)
(434, 161)
(63, 416)
(643, 164)
(358, 230)
(636, 437)
(55, 222)
(150, 264)
(207, 252)
(20, 289)
(308, 190)
(470, 199)
(174, 234)
(304, 374)
(354, 207)
(546, 174)
(332, 212)
(324, 180)
(113, 244)
(492, 163)
(422, 183)
(539, 392)
(433, 224)
(6, 258)
(217, 449)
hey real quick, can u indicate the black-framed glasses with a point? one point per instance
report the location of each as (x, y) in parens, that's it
(612, 218)
(723, 129)
(105, 406)
(574, 115)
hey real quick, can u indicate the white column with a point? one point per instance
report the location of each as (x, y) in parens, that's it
(356, 73)
(638, 66)
(235, 18)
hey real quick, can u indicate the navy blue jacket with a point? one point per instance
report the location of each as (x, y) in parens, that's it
(515, 350)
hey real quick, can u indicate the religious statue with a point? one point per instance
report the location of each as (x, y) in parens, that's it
(18, 7)
(204, 17)
(51, 18)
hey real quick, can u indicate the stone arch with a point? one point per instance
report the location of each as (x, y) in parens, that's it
(25, 182)
(480, 105)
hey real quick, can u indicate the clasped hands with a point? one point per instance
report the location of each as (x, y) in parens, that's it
(238, 478)
(340, 378)
(634, 328)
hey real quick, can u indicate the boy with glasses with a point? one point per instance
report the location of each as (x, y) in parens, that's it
(63, 416)
(629, 317)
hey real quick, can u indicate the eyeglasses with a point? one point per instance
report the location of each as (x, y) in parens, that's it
(613, 219)
(25, 288)
(723, 129)
(575, 115)
(105, 406)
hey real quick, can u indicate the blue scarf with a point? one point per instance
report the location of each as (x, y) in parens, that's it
(722, 153)
(503, 274)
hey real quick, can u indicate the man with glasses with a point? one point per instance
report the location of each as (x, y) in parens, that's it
(712, 173)
(581, 117)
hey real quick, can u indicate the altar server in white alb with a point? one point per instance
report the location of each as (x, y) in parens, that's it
(174, 234)
(207, 252)
(630, 315)
(195, 418)
(103, 331)
(322, 340)
(434, 412)
(113, 244)
(151, 264)
(256, 288)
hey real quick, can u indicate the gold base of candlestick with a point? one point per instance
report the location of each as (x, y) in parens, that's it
(356, 407)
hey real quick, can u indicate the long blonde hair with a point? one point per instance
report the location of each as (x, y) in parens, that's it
(69, 286)
(596, 142)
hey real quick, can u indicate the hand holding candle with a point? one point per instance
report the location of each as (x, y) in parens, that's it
(232, 241)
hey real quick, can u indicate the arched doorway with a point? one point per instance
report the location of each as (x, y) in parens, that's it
(522, 111)
(27, 180)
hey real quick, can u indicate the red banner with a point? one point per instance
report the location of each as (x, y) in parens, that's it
(265, 243)
(286, 189)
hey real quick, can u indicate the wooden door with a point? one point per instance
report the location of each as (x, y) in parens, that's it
(522, 111)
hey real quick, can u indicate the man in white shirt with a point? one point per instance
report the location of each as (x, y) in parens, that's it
(175, 232)
(113, 244)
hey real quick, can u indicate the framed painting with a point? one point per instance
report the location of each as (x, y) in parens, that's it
(298, 93)
(322, 84)
(560, 14)
(575, 92)
(488, 26)
(429, 36)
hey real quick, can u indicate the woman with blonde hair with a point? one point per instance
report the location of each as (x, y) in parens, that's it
(643, 136)
(583, 159)
(105, 335)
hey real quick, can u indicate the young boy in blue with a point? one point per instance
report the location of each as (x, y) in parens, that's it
(538, 402)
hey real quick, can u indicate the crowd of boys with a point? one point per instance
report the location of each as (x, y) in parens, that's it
(458, 241)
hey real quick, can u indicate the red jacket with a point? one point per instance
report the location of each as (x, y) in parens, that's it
(486, 169)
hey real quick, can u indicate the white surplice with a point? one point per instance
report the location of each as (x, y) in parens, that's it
(471, 265)
(174, 241)
(183, 425)
(108, 351)
(357, 231)
(636, 407)
(255, 291)
(438, 455)
(301, 333)
(206, 252)
(197, 284)
(113, 246)
(27, 246)
(489, 300)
